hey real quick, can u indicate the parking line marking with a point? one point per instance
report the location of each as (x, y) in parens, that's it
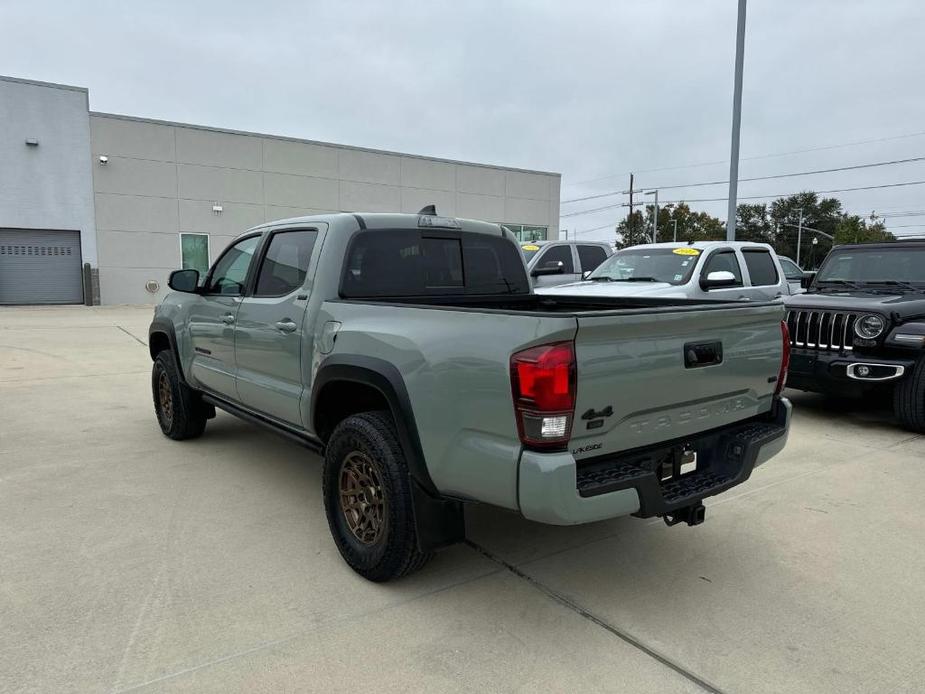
(633, 641)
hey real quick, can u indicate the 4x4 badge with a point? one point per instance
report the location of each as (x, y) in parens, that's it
(591, 414)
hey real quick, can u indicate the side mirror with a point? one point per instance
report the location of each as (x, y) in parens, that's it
(553, 267)
(718, 279)
(807, 280)
(586, 274)
(184, 280)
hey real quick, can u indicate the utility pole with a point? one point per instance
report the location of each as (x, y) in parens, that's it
(655, 221)
(675, 222)
(655, 216)
(799, 235)
(629, 226)
(736, 121)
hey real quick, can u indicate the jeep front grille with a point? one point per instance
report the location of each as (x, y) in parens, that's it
(824, 330)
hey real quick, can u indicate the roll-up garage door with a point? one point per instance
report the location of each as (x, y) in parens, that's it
(40, 267)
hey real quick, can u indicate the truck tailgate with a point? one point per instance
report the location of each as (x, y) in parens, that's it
(647, 377)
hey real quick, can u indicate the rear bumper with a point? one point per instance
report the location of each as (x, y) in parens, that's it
(554, 489)
(825, 372)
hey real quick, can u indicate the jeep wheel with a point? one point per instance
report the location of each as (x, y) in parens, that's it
(367, 498)
(909, 399)
(180, 411)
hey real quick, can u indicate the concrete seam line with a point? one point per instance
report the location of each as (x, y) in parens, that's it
(293, 637)
(616, 631)
(141, 342)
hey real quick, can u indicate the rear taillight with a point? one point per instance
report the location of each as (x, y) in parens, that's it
(543, 381)
(784, 358)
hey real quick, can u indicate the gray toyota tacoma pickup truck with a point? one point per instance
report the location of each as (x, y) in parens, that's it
(410, 351)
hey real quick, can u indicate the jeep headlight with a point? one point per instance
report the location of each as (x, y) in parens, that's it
(869, 327)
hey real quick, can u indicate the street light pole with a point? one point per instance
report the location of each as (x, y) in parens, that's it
(675, 222)
(736, 121)
(799, 235)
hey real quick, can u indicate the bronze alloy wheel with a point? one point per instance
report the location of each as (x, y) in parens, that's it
(362, 497)
(165, 398)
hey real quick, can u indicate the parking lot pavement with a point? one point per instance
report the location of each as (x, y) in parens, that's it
(132, 563)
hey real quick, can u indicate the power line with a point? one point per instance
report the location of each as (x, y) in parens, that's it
(603, 226)
(754, 197)
(700, 184)
(759, 156)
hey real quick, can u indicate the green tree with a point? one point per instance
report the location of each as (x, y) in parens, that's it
(692, 226)
(823, 215)
(753, 223)
(854, 229)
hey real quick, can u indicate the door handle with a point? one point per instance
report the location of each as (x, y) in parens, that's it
(286, 326)
(228, 318)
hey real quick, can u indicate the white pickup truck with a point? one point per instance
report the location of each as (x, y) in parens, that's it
(704, 270)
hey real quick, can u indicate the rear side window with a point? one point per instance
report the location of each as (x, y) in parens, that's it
(285, 263)
(761, 267)
(591, 257)
(399, 262)
(558, 254)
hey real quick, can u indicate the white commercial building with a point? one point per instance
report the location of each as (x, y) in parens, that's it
(99, 208)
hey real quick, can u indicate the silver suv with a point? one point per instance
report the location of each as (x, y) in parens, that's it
(559, 262)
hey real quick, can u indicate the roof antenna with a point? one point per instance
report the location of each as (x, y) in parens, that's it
(430, 210)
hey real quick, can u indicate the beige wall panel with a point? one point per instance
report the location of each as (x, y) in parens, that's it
(480, 180)
(220, 184)
(139, 249)
(122, 285)
(523, 211)
(369, 197)
(527, 185)
(367, 167)
(136, 213)
(486, 207)
(277, 212)
(301, 191)
(135, 177)
(413, 199)
(218, 149)
(116, 137)
(302, 158)
(423, 173)
(197, 215)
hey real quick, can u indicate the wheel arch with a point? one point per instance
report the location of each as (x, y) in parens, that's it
(439, 521)
(349, 384)
(161, 336)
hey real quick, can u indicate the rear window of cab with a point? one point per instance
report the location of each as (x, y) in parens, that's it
(414, 262)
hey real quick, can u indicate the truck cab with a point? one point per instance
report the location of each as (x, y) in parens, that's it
(552, 263)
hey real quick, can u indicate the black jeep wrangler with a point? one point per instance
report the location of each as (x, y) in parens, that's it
(860, 326)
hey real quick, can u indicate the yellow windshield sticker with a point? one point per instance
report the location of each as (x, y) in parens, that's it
(531, 248)
(686, 251)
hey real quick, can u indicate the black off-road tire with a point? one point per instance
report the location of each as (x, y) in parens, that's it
(389, 551)
(180, 411)
(909, 399)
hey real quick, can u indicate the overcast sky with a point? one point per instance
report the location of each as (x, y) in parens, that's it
(588, 89)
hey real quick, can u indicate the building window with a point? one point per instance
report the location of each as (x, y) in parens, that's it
(194, 252)
(528, 233)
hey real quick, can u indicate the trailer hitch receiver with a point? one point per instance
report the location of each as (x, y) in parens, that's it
(692, 515)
